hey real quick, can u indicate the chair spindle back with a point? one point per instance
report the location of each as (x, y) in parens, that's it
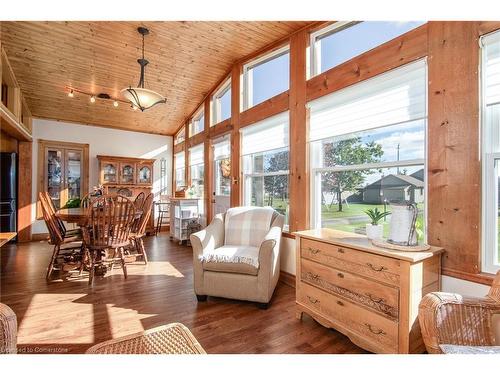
(110, 220)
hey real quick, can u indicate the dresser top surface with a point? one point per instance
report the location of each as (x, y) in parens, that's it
(360, 242)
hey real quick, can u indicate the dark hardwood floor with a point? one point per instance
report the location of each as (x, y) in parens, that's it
(69, 316)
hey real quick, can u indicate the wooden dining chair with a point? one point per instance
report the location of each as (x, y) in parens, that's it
(62, 254)
(50, 206)
(108, 232)
(136, 237)
(139, 200)
(86, 201)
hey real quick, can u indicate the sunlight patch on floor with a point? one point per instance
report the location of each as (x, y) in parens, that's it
(119, 315)
(151, 269)
(57, 327)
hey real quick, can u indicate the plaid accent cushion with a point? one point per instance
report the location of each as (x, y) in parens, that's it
(247, 226)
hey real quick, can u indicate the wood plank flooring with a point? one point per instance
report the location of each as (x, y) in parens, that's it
(69, 316)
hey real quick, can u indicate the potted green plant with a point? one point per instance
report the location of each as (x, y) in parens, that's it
(374, 230)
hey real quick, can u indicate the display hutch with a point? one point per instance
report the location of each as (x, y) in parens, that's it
(127, 176)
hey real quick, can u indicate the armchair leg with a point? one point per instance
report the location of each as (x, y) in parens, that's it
(263, 306)
(201, 298)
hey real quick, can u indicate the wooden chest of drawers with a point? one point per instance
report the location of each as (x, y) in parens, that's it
(368, 293)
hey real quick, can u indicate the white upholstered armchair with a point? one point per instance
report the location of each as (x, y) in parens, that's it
(238, 255)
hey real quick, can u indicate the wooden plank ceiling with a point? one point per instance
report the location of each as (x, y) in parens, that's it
(186, 60)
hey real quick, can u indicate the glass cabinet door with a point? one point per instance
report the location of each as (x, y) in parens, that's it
(109, 173)
(127, 173)
(54, 176)
(144, 174)
(74, 172)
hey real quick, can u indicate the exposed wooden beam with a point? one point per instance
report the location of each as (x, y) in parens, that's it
(453, 166)
(209, 165)
(236, 188)
(25, 187)
(270, 107)
(299, 150)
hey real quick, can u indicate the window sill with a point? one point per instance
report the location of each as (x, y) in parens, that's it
(288, 235)
(481, 278)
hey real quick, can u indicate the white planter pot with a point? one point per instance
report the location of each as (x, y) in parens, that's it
(374, 232)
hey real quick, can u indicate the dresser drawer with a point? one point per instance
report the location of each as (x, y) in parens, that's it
(370, 265)
(381, 298)
(382, 332)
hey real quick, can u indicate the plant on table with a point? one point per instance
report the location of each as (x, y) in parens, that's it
(374, 230)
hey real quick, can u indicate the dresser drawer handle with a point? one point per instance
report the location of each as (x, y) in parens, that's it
(377, 269)
(375, 299)
(340, 303)
(313, 300)
(341, 251)
(375, 331)
(313, 250)
(341, 275)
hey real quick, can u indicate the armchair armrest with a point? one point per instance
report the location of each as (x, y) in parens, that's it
(269, 257)
(209, 238)
(448, 318)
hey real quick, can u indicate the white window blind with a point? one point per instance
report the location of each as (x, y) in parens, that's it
(491, 53)
(268, 134)
(179, 160)
(391, 98)
(196, 155)
(222, 148)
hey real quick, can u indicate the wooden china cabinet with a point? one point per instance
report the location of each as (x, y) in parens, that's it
(63, 170)
(127, 176)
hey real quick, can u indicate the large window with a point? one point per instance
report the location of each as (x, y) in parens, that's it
(221, 103)
(222, 160)
(342, 41)
(264, 148)
(197, 169)
(180, 170)
(266, 77)
(490, 68)
(368, 149)
(197, 124)
(180, 136)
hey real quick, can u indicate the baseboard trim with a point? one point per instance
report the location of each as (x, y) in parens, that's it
(287, 278)
(36, 237)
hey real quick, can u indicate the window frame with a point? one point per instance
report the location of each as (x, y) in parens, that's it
(191, 165)
(176, 168)
(247, 178)
(247, 86)
(315, 172)
(489, 174)
(196, 117)
(176, 136)
(215, 117)
(315, 51)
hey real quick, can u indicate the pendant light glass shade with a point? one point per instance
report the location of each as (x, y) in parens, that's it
(142, 98)
(139, 96)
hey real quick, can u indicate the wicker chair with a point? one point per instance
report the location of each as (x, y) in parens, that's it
(68, 250)
(139, 230)
(8, 330)
(108, 231)
(448, 318)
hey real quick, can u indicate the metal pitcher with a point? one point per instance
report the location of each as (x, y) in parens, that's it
(403, 222)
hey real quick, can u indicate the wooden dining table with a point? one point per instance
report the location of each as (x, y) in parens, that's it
(6, 237)
(78, 215)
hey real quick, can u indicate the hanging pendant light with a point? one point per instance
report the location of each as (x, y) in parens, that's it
(140, 97)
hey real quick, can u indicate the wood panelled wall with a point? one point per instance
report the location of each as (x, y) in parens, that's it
(453, 168)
